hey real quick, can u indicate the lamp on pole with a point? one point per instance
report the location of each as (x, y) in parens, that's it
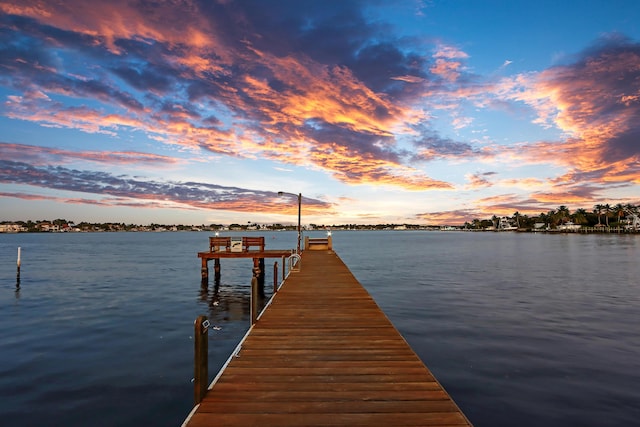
(299, 196)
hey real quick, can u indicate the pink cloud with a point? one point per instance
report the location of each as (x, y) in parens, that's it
(36, 155)
(595, 102)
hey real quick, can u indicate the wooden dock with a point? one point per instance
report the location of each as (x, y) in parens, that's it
(242, 247)
(323, 353)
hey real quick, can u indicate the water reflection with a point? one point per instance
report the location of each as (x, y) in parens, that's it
(230, 302)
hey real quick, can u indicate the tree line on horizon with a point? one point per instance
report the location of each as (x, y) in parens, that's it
(602, 215)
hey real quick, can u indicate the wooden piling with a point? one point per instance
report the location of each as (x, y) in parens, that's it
(256, 267)
(262, 272)
(284, 272)
(275, 277)
(204, 271)
(216, 270)
(254, 300)
(201, 358)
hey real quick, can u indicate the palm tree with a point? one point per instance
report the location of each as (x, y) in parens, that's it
(552, 216)
(580, 216)
(597, 209)
(516, 216)
(543, 217)
(619, 210)
(563, 213)
(607, 212)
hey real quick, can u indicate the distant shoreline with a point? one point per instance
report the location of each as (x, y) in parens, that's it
(582, 230)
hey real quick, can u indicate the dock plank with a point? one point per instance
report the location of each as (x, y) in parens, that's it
(323, 353)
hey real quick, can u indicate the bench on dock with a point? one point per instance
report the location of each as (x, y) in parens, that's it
(248, 242)
(223, 244)
(215, 243)
(318, 243)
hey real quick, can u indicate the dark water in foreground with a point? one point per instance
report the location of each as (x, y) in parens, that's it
(521, 329)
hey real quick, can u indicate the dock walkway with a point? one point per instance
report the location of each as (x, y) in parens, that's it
(323, 353)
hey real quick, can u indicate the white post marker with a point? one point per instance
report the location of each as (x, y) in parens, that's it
(18, 272)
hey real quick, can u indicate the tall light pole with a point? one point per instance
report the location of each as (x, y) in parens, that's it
(299, 196)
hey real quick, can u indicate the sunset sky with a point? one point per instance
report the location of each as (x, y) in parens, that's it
(416, 111)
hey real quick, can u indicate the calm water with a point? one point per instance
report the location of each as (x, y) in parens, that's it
(521, 329)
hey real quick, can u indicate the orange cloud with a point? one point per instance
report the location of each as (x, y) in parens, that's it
(117, 19)
(453, 217)
(449, 70)
(595, 102)
(448, 64)
(355, 168)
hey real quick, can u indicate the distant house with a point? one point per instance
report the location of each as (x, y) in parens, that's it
(48, 227)
(11, 228)
(569, 226)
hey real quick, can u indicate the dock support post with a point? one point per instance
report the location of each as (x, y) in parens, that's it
(261, 275)
(258, 273)
(254, 300)
(275, 277)
(201, 359)
(204, 271)
(216, 270)
(284, 271)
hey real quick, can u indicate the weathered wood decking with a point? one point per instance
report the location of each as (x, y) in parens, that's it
(323, 353)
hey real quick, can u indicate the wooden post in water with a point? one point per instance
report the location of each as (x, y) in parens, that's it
(284, 272)
(258, 273)
(275, 277)
(204, 271)
(216, 270)
(18, 272)
(254, 300)
(261, 275)
(201, 359)
(256, 267)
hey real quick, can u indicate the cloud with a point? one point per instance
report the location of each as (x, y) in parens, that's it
(452, 217)
(449, 52)
(409, 79)
(135, 191)
(479, 179)
(595, 101)
(241, 82)
(43, 156)
(318, 86)
(448, 62)
(430, 146)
